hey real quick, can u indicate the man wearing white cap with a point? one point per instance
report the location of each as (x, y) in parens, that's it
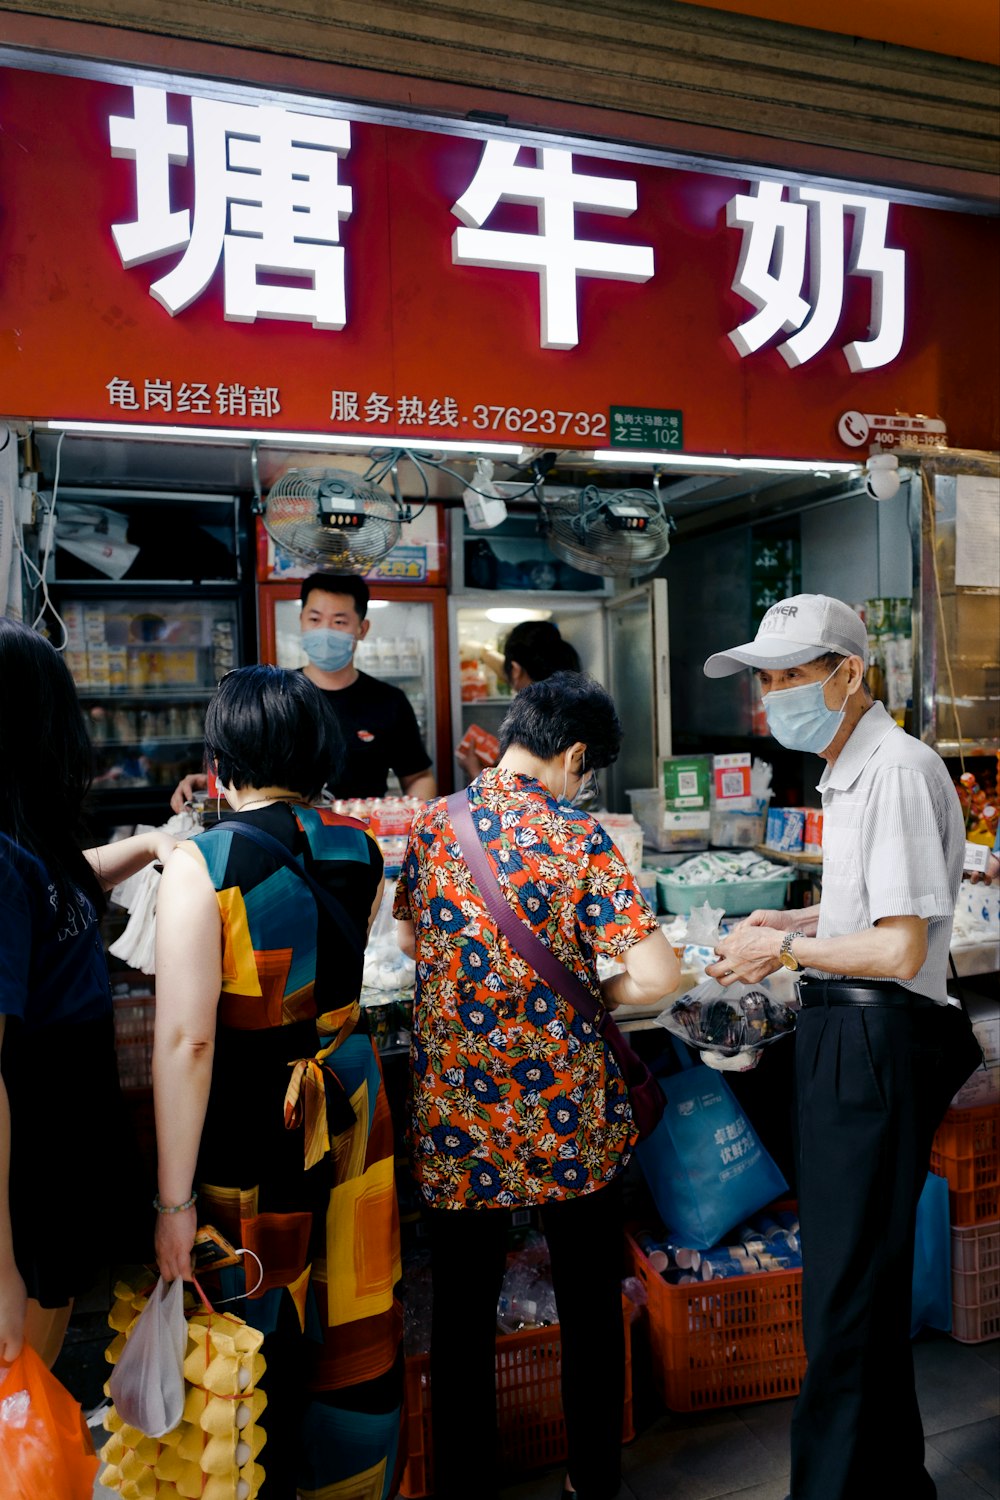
(879, 1050)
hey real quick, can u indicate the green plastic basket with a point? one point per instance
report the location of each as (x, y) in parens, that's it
(736, 897)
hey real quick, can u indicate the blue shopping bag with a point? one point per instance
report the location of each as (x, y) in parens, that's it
(705, 1166)
(931, 1304)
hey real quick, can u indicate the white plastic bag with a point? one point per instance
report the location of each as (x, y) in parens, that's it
(147, 1383)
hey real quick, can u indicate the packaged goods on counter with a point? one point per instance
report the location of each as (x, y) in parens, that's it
(813, 831)
(741, 791)
(738, 881)
(786, 828)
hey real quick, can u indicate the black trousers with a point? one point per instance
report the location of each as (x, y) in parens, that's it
(872, 1085)
(468, 1258)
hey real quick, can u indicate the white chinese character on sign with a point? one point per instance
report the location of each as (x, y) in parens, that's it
(772, 269)
(554, 252)
(411, 411)
(122, 393)
(158, 393)
(232, 400)
(344, 406)
(195, 397)
(443, 413)
(267, 200)
(264, 401)
(378, 408)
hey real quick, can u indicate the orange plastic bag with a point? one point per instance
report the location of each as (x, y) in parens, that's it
(45, 1446)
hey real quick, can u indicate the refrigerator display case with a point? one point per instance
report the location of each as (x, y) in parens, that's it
(146, 648)
(621, 639)
(407, 645)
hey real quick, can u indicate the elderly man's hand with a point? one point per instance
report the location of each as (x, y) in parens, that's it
(747, 955)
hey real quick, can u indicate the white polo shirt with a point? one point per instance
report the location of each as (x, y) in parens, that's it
(893, 842)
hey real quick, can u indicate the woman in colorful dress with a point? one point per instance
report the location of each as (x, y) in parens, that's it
(61, 1108)
(271, 1119)
(516, 1100)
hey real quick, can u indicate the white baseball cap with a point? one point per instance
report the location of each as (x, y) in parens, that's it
(795, 631)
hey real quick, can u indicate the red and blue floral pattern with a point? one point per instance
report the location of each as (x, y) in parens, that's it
(516, 1100)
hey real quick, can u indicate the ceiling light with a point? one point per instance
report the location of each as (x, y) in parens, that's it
(361, 441)
(651, 460)
(515, 616)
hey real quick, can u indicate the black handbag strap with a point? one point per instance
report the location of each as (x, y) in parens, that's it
(325, 899)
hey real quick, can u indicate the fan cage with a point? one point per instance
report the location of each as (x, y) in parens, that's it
(293, 518)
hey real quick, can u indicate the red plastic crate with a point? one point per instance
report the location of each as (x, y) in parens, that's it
(966, 1151)
(975, 1283)
(532, 1431)
(724, 1343)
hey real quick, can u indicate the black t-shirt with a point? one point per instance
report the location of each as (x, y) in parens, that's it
(380, 733)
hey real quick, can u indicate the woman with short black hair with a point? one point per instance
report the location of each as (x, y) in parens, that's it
(517, 1102)
(270, 1110)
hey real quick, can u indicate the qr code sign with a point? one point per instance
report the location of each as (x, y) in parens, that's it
(687, 783)
(732, 784)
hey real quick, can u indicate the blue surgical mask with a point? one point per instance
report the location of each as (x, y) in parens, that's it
(330, 650)
(799, 718)
(585, 795)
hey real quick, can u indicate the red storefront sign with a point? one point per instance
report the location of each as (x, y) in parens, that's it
(220, 264)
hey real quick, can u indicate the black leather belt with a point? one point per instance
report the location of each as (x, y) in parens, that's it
(844, 992)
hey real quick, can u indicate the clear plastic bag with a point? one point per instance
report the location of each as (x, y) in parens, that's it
(147, 1383)
(730, 1020)
(45, 1447)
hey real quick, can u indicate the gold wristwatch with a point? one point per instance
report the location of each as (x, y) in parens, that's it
(785, 953)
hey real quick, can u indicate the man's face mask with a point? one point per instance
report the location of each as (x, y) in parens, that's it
(799, 718)
(330, 650)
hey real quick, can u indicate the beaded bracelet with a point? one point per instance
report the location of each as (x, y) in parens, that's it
(177, 1208)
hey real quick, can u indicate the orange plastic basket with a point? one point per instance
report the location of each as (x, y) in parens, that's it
(966, 1150)
(975, 1283)
(532, 1431)
(724, 1343)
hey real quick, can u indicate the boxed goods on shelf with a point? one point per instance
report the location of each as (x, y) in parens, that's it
(532, 1431)
(723, 1342)
(975, 1283)
(966, 1150)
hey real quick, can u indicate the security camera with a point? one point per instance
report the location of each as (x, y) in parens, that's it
(882, 476)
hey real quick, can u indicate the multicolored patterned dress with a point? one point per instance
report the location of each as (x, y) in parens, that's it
(296, 1159)
(516, 1100)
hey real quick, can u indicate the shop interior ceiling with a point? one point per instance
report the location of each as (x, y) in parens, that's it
(697, 502)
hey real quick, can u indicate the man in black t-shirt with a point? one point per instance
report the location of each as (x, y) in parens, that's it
(379, 726)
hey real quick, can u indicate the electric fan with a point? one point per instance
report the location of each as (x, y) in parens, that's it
(332, 519)
(615, 534)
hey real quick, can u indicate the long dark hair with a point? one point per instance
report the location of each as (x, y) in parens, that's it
(45, 758)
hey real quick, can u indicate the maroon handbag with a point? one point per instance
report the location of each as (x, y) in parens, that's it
(644, 1093)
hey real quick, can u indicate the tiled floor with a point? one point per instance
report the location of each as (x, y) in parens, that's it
(740, 1453)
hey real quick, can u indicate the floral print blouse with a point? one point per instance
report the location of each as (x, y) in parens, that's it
(515, 1098)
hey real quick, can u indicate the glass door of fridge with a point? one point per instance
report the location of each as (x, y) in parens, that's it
(144, 669)
(639, 682)
(478, 630)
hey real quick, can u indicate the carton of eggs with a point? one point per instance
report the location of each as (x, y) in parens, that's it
(211, 1454)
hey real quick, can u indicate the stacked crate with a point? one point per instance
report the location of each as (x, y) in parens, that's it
(967, 1152)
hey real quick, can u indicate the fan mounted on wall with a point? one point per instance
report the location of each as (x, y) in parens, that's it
(613, 533)
(333, 519)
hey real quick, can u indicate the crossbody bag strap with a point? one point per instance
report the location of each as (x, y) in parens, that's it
(518, 933)
(333, 908)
